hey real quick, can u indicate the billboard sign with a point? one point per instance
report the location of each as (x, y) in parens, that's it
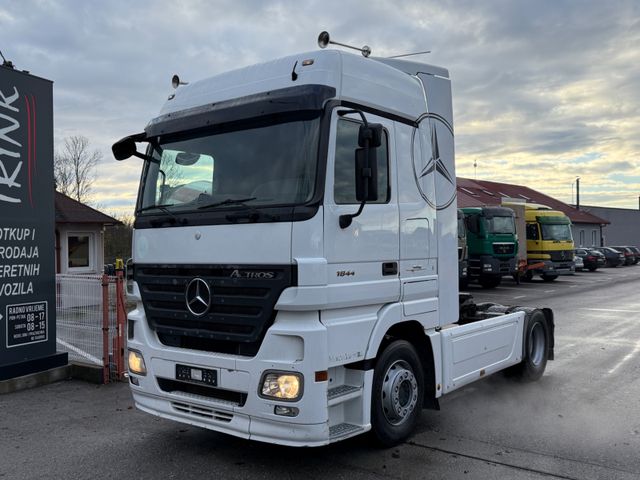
(27, 230)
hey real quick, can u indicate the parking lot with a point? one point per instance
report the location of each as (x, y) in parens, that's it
(580, 421)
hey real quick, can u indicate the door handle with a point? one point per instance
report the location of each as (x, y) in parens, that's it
(389, 268)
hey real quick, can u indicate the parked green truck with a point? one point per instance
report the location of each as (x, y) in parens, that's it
(492, 244)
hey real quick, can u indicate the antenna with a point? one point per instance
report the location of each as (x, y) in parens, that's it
(5, 62)
(324, 40)
(409, 54)
(475, 168)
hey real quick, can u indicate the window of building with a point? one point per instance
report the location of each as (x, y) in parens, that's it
(79, 250)
(344, 189)
(581, 238)
(594, 236)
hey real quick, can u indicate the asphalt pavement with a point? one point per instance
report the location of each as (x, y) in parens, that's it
(580, 421)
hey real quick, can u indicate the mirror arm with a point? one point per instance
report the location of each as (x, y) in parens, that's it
(345, 220)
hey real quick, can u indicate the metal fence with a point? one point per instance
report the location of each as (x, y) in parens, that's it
(91, 314)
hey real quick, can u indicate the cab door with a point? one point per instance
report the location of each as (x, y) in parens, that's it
(363, 257)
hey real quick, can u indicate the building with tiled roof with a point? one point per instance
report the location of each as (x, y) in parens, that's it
(79, 236)
(587, 228)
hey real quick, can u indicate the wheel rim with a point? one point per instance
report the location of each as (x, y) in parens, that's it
(536, 344)
(399, 392)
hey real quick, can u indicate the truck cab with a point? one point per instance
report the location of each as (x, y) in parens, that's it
(492, 243)
(550, 246)
(295, 255)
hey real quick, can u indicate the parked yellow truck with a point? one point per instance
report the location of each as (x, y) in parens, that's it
(550, 247)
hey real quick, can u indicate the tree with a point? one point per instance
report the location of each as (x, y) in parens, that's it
(117, 239)
(74, 168)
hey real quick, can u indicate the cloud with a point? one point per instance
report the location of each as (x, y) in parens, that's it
(536, 85)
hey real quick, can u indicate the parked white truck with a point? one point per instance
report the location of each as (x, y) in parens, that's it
(295, 257)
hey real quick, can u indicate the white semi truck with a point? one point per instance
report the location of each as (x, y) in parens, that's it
(295, 257)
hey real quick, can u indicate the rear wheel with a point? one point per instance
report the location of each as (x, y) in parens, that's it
(398, 391)
(536, 349)
(548, 278)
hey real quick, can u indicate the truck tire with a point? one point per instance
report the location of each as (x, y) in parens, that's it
(536, 349)
(528, 276)
(490, 281)
(548, 278)
(398, 392)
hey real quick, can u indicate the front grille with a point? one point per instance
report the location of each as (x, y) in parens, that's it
(240, 312)
(226, 396)
(561, 255)
(504, 248)
(203, 412)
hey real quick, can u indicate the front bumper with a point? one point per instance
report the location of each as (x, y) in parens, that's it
(555, 268)
(250, 417)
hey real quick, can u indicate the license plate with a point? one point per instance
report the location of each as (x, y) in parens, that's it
(197, 375)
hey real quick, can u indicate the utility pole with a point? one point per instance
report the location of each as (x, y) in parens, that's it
(475, 168)
(577, 193)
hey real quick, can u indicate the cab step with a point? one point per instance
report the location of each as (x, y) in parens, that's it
(343, 393)
(344, 430)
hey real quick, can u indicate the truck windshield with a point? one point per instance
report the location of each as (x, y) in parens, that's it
(551, 231)
(270, 164)
(501, 225)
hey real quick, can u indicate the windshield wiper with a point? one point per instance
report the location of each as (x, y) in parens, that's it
(172, 219)
(228, 201)
(159, 207)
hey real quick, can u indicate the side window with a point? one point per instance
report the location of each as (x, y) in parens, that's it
(581, 237)
(344, 189)
(532, 231)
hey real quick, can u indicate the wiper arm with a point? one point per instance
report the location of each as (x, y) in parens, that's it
(173, 219)
(228, 201)
(162, 207)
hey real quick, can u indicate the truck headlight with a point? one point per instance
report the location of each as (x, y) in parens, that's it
(136, 363)
(281, 385)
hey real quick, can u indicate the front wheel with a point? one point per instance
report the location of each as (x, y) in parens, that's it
(490, 281)
(398, 392)
(548, 278)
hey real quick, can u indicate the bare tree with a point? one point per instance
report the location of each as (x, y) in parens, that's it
(74, 168)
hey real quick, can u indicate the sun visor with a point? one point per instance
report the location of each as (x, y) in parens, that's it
(303, 98)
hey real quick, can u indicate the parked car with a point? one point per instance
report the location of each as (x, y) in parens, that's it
(591, 258)
(578, 263)
(636, 250)
(613, 257)
(630, 257)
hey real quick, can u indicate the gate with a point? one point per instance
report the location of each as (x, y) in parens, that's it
(91, 315)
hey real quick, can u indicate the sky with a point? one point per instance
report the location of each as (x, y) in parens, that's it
(543, 91)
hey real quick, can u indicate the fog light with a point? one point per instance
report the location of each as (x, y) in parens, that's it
(286, 411)
(281, 385)
(136, 363)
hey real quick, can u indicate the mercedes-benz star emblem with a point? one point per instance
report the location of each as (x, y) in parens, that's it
(198, 297)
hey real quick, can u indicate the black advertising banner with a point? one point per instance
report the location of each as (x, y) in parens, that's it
(27, 229)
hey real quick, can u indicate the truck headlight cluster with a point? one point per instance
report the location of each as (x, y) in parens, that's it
(136, 363)
(281, 385)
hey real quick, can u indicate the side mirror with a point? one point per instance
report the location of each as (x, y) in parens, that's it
(366, 176)
(371, 132)
(473, 223)
(124, 148)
